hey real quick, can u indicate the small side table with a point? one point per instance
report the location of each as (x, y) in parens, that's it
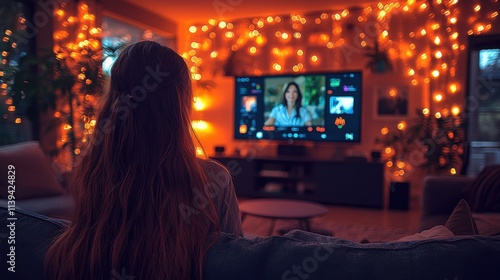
(282, 209)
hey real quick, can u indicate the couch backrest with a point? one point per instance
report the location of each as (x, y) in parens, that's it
(297, 255)
(303, 255)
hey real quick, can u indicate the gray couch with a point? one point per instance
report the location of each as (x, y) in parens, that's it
(38, 187)
(297, 255)
(440, 195)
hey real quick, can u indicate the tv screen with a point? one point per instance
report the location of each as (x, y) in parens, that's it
(313, 106)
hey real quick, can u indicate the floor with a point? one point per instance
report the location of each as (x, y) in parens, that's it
(386, 218)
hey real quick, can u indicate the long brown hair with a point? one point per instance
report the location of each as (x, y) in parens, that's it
(137, 177)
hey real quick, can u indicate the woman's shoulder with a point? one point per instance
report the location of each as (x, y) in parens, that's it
(211, 165)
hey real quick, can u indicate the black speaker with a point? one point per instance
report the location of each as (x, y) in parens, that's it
(219, 150)
(399, 196)
(291, 150)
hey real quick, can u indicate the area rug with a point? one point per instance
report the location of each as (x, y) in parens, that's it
(259, 227)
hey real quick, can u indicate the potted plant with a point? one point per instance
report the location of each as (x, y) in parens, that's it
(378, 61)
(434, 144)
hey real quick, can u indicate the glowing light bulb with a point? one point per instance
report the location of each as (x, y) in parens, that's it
(437, 40)
(455, 110)
(401, 125)
(198, 104)
(435, 73)
(384, 131)
(425, 111)
(453, 88)
(438, 54)
(199, 124)
(438, 97)
(193, 29)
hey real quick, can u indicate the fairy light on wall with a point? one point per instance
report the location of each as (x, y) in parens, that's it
(77, 42)
(428, 50)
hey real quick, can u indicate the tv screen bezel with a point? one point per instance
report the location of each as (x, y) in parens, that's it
(235, 126)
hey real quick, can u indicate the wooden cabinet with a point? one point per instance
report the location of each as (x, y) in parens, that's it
(325, 181)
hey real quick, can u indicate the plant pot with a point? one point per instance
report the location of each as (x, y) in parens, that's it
(380, 66)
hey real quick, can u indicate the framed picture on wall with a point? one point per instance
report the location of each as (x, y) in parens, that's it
(392, 101)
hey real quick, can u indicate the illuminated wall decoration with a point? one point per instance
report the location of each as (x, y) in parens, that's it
(68, 78)
(423, 39)
(77, 43)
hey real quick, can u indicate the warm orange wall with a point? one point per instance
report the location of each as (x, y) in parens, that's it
(219, 112)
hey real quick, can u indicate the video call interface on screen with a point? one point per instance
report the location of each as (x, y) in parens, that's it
(324, 107)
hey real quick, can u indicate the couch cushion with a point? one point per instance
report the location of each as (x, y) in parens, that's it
(58, 206)
(460, 221)
(34, 176)
(436, 232)
(33, 235)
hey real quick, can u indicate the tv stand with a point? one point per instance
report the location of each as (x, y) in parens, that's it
(306, 178)
(291, 150)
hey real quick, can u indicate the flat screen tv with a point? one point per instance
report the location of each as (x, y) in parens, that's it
(307, 106)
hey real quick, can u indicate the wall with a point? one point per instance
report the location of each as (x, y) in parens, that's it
(413, 34)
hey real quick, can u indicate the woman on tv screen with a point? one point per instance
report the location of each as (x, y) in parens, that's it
(290, 112)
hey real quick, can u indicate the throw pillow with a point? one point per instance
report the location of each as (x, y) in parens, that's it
(34, 176)
(437, 232)
(483, 195)
(460, 221)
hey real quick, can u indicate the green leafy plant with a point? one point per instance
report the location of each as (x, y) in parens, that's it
(60, 83)
(435, 144)
(378, 59)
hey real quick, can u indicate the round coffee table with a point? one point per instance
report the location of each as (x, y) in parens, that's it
(275, 209)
